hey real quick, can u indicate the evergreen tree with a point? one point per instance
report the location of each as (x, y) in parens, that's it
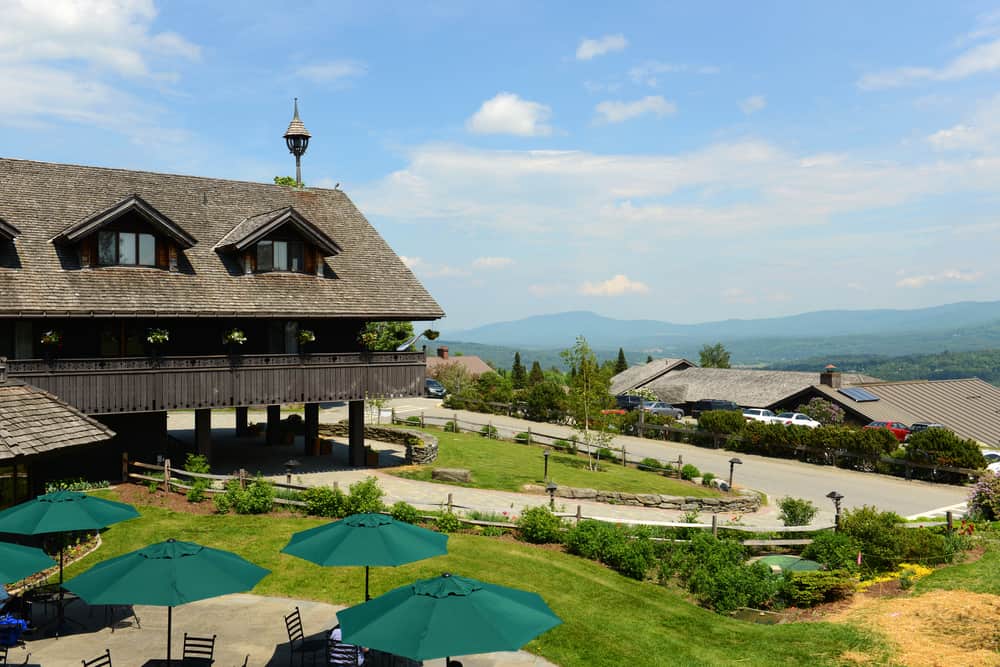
(649, 358)
(518, 374)
(536, 376)
(622, 363)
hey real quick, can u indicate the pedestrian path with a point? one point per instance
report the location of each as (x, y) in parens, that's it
(957, 510)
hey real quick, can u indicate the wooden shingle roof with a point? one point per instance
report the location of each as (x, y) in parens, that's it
(33, 421)
(7, 230)
(366, 280)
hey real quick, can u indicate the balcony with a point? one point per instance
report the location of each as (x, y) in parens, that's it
(148, 384)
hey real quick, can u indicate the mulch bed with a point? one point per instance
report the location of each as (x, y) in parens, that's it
(140, 495)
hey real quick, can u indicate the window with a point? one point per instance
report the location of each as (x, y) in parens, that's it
(280, 256)
(126, 248)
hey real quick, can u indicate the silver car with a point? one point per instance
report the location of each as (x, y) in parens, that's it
(662, 409)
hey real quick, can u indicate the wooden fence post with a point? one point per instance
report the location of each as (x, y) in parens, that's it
(715, 525)
(579, 513)
(336, 485)
(624, 456)
(243, 478)
(393, 418)
(951, 521)
(166, 475)
(422, 424)
(529, 436)
(449, 504)
(642, 422)
(124, 466)
(454, 420)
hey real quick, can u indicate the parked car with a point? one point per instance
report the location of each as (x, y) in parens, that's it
(992, 457)
(629, 402)
(706, 404)
(917, 427)
(797, 419)
(898, 429)
(760, 415)
(434, 389)
(662, 409)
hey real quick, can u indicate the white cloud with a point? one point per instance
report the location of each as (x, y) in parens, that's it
(975, 60)
(492, 262)
(509, 114)
(980, 131)
(753, 104)
(542, 290)
(957, 137)
(949, 275)
(591, 48)
(738, 295)
(335, 71)
(430, 270)
(615, 286)
(616, 111)
(646, 73)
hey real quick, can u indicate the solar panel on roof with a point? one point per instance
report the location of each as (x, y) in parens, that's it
(858, 394)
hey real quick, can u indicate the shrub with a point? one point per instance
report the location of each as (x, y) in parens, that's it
(79, 484)
(651, 464)
(707, 477)
(451, 426)
(489, 431)
(448, 522)
(876, 535)
(721, 421)
(612, 545)
(152, 486)
(545, 402)
(805, 589)
(588, 538)
(834, 551)
(538, 525)
(221, 503)
(689, 472)
(939, 446)
(196, 493)
(984, 500)
(257, 498)
(364, 496)
(825, 412)
(413, 420)
(523, 437)
(796, 511)
(404, 512)
(197, 463)
(324, 501)
(605, 454)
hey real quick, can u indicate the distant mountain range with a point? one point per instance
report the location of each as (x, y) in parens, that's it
(822, 334)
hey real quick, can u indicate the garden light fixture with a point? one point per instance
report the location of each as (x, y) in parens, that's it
(733, 462)
(551, 488)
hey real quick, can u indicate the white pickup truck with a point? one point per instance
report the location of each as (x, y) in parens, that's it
(760, 415)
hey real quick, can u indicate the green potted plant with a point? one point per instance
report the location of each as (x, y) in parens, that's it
(233, 339)
(156, 338)
(305, 337)
(51, 342)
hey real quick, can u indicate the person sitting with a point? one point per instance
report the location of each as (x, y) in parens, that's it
(340, 653)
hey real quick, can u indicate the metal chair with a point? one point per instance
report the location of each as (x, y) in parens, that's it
(297, 641)
(99, 661)
(199, 650)
(339, 653)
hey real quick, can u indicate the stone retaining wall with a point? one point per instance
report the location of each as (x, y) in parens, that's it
(737, 504)
(421, 448)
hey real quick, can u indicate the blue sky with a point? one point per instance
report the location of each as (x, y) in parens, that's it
(640, 160)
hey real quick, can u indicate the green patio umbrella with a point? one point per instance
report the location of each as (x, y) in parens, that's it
(18, 562)
(366, 539)
(445, 616)
(166, 574)
(62, 512)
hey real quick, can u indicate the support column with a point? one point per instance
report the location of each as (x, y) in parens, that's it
(242, 422)
(273, 425)
(203, 432)
(356, 433)
(311, 435)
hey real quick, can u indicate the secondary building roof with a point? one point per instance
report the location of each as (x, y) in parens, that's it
(41, 201)
(970, 407)
(638, 376)
(33, 421)
(473, 364)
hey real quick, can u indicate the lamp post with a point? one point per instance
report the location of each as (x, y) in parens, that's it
(297, 140)
(733, 462)
(836, 498)
(545, 453)
(290, 465)
(551, 488)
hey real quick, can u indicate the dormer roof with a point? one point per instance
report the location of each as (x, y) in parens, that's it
(256, 227)
(7, 230)
(131, 204)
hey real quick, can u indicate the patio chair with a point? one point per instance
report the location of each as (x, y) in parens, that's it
(199, 650)
(339, 653)
(99, 661)
(297, 641)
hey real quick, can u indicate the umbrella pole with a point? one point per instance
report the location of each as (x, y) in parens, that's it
(170, 618)
(62, 614)
(367, 597)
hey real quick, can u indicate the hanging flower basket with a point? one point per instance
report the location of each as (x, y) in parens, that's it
(157, 336)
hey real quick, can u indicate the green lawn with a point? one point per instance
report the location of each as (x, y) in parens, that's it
(507, 466)
(979, 576)
(608, 619)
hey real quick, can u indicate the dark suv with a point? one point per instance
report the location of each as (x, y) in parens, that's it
(706, 404)
(629, 402)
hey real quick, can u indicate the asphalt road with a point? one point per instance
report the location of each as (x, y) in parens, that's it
(776, 477)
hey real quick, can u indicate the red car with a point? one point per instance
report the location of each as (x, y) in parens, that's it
(898, 429)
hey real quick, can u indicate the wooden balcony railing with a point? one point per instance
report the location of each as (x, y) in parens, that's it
(146, 384)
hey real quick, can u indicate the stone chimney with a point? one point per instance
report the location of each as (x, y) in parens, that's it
(443, 351)
(830, 377)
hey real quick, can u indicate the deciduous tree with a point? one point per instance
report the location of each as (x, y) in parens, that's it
(714, 356)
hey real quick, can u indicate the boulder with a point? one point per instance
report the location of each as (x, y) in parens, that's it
(648, 498)
(460, 475)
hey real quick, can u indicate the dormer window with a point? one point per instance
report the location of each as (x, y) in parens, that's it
(281, 256)
(126, 248)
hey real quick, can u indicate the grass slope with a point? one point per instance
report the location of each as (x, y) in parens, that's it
(508, 466)
(608, 619)
(979, 576)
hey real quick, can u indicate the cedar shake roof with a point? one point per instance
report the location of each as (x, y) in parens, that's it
(133, 203)
(366, 280)
(473, 364)
(7, 230)
(33, 421)
(637, 376)
(747, 387)
(970, 407)
(257, 227)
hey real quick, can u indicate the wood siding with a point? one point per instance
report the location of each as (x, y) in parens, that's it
(143, 384)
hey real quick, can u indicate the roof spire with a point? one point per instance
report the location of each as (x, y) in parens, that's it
(297, 140)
